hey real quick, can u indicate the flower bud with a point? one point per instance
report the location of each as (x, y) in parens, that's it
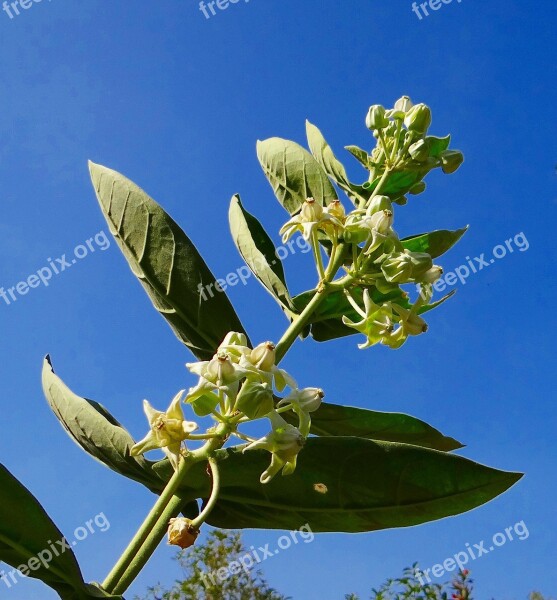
(419, 151)
(234, 338)
(335, 209)
(263, 356)
(379, 203)
(308, 399)
(403, 267)
(255, 399)
(403, 104)
(220, 369)
(451, 160)
(417, 188)
(418, 118)
(432, 275)
(414, 325)
(382, 221)
(312, 211)
(397, 268)
(376, 118)
(181, 533)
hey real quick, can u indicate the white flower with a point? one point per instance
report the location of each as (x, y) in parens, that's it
(260, 363)
(304, 402)
(312, 216)
(168, 430)
(284, 442)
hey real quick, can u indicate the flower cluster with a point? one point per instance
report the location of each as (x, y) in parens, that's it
(241, 380)
(237, 385)
(379, 261)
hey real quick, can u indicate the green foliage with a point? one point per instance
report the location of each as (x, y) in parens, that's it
(201, 581)
(412, 587)
(27, 537)
(361, 470)
(336, 420)
(166, 263)
(258, 251)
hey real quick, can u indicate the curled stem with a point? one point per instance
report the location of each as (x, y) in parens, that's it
(199, 520)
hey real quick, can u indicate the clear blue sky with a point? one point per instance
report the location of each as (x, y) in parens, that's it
(176, 102)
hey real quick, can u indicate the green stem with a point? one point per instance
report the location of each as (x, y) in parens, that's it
(317, 255)
(151, 532)
(146, 528)
(199, 520)
(300, 322)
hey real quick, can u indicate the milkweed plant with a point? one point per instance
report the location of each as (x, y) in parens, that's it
(337, 468)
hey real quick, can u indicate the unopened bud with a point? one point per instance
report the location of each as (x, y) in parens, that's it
(335, 209)
(220, 369)
(451, 160)
(382, 221)
(379, 203)
(312, 211)
(418, 118)
(403, 104)
(432, 275)
(255, 399)
(263, 356)
(376, 118)
(417, 188)
(181, 533)
(419, 151)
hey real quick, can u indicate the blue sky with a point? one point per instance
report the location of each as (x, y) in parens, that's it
(176, 102)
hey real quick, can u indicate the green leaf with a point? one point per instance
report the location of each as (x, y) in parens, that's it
(95, 430)
(293, 174)
(370, 485)
(332, 166)
(167, 264)
(437, 145)
(360, 155)
(259, 252)
(27, 534)
(335, 420)
(434, 243)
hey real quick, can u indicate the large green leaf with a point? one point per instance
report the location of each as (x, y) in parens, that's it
(259, 252)
(434, 243)
(95, 430)
(336, 420)
(332, 166)
(368, 485)
(293, 174)
(167, 264)
(27, 539)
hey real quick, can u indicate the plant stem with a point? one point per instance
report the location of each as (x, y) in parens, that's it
(151, 532)
(317, 255)
(299, 323)
(146, 528)
(199, 520)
